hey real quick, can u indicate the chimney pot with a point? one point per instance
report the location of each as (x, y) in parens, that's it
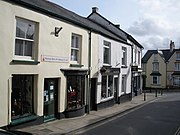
(95, 9)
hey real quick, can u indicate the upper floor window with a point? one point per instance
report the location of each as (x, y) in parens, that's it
(139, 57)
(24, 40)
(107, 53)
(155, 57)
(177, 66)
(177, 55)
(124, 56)
(155, 66)
(76, 42)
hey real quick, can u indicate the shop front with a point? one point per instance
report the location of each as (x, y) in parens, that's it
(109, 86)
(22, 99)
(76, 88)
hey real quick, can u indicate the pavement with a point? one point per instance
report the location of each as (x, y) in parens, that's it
(70, 125)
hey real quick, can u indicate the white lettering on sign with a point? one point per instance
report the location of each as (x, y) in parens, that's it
(45, 58)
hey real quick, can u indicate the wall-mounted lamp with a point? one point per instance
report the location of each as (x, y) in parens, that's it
(57, 30)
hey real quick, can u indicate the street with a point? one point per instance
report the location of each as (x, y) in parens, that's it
(161, 117)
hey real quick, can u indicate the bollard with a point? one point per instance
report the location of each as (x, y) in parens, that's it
(144, 96)
(156, 93)
(161, 92)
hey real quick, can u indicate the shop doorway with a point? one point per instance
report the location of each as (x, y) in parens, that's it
(50, 99)
(116, 89)
(93, 94)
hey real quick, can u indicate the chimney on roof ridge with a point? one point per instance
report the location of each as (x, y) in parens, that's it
(117, 25)
(95, 9)
(172, 46)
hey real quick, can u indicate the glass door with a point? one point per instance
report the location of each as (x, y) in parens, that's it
(50, 99)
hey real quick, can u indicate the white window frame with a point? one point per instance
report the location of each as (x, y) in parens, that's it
(158, 80)
(177, 66)
(25, 39)
(177, 55)
(76, 47)
(107, 88)
(176, 81)
(124, 56)
(107, 45)
(155, 66)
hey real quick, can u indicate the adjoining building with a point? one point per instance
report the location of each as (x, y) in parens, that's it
(161, 68)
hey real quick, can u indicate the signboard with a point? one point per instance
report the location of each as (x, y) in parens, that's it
(134, 68)
(46, 58)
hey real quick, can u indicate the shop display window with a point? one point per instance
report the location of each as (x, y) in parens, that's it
(22, 96)
(107, 86)
(75, 91)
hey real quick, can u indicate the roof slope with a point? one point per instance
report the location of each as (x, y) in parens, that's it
(102, 21)
(54, 10)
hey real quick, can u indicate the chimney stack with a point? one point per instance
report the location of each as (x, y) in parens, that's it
(95, 9)
(117, 25)
(172, 46)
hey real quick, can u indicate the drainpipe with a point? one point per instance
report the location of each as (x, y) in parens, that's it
(88, 95)
(9, 99)
(132, 79)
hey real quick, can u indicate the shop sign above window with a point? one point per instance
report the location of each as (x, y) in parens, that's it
(46, 58)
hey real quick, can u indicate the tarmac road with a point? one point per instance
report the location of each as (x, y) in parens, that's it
(161, 117)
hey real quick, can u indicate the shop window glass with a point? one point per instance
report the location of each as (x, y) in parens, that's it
(22, 96)
(75, 94)
(107, 89)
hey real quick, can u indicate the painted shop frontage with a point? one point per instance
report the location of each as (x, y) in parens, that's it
(56, 64)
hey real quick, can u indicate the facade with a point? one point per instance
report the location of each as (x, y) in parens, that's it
(161, 68)
(57, 64)
(113, 75)
(136, 65)
(154, 68)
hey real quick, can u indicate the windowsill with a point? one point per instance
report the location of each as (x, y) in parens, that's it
(26, 62)
(106, 99)
(156, 84)
(124, 66)
(23, 119)
(76, 65)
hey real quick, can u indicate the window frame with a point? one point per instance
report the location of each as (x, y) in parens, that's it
(157, 81)
(124, 56)
(22, 88)
(76, 47)
(25, 39)
(106, 46)
(108, 88)
(155, 66)
(177, 66)
(177, 55)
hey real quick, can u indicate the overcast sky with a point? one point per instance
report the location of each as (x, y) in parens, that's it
(153, 23)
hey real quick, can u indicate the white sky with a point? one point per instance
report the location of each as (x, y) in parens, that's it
(153, 23)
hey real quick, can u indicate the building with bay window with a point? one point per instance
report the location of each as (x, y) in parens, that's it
(56, 64)
(44, 62)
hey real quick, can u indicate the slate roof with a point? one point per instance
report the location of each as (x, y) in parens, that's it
(166, 54)
(148, 55)
(54, 10)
